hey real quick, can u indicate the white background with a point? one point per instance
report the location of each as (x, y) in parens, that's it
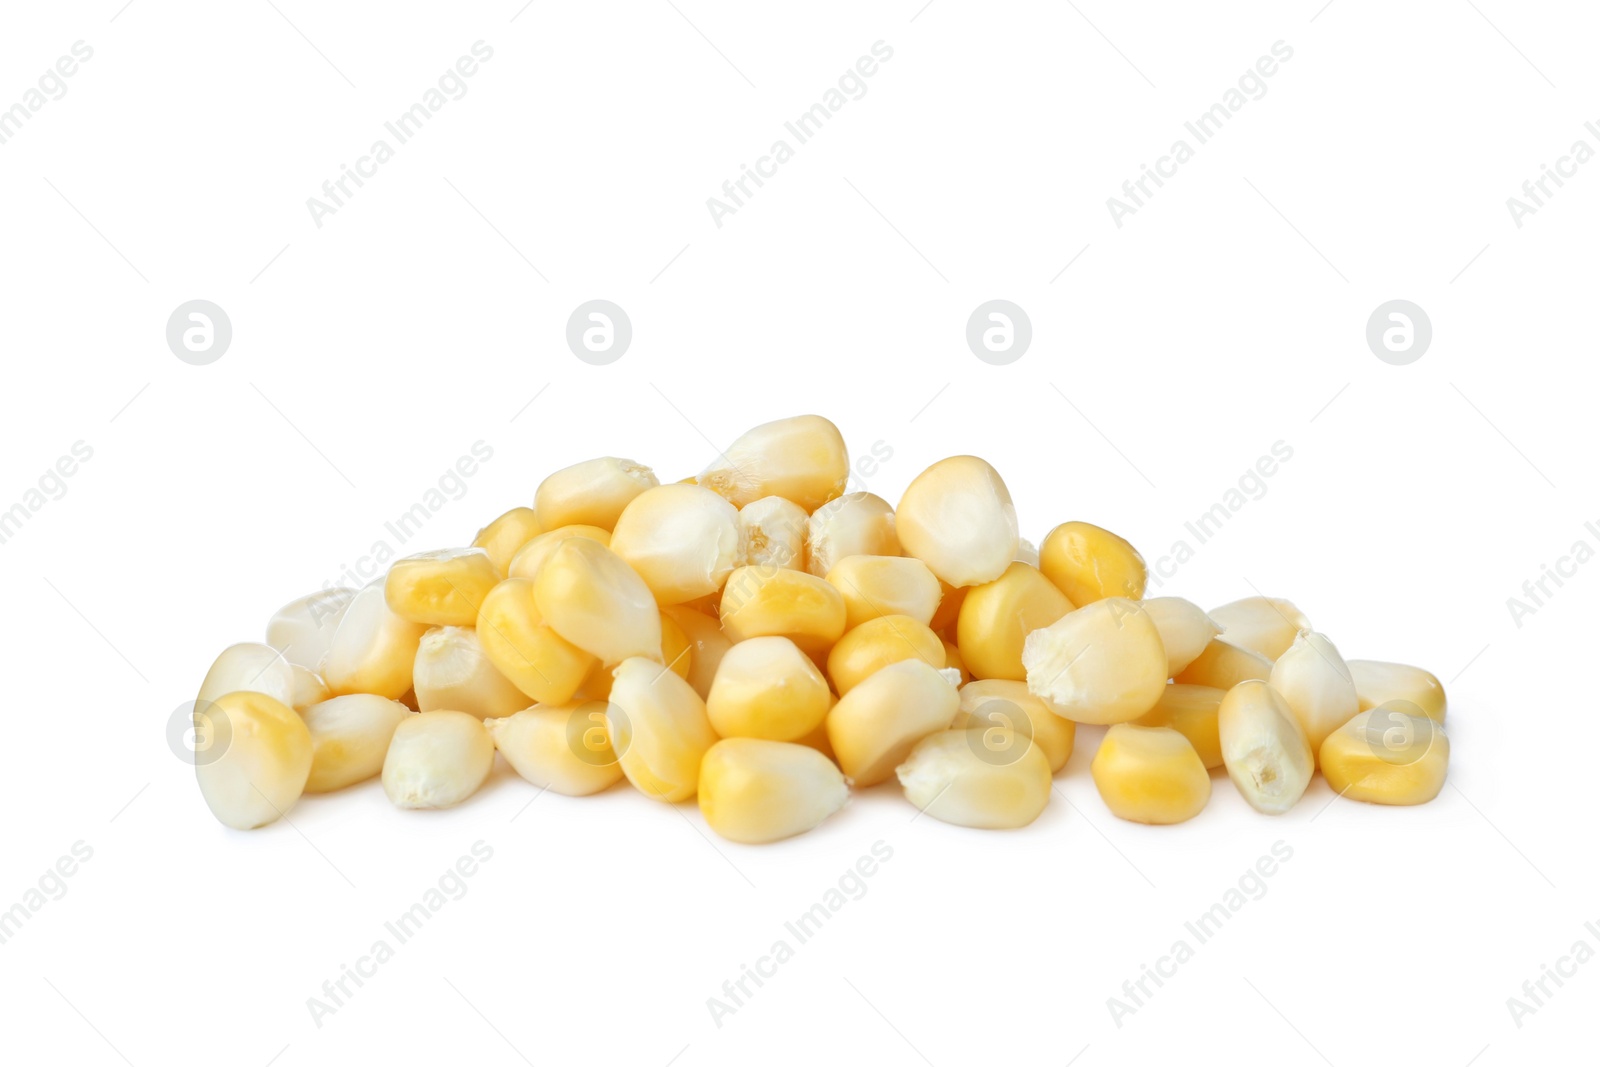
(369, 354)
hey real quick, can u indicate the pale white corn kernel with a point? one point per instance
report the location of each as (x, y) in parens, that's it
(503, 537)
(309, 688)
(1264, 747)
(856, 524)
(452, 673)
(1027, 552)
(349, 738)
(1000, 787)
(252, 667)
(802, 459)
(1378, 682)
(681, 539)
(658, 728)
(303, 629)
(1001, 703)
(531, 556)
(874, 726)
(957, 517)
(1313, 680)
(875, 586)
(766, 687)
(591, 493)
(773, 532)
(440, 588)
(707, 645)
(586, 593)
(1223, 665)
(755, 791)
(437, 759)
(373, 650)
(263, 763)
(1263, 624)
(1103, 663)
(563, 748)
(1185, 629)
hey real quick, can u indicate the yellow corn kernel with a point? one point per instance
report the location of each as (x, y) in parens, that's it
(996, 617)
(773, 532)
(766, 687)
(707, 645)
(1263, 624)
(453, 673)
(874, 586)
(250, 667)
(659, 729)
(1185, 630)
(374, 649)
(874, 726)
(1386, 755)
(801, 459)
(596, 685)
(437, 759)
(1089, 563)
(818, 738)
(262, 758)
(591, 493)
(588, 595)
(309, 688)
(952, 660)
(754, 791)
(536, 659)
(564, 748)
(877, 643)
(1313, 680)
(443, 588)
(676, 651)
(1378, 682)
(1150, 774)
(780, 602)
(531, 556)
(681, 539)
(349, 738)
(948, 614)
(856, 524)
(1223, 665)
(1003, 704)
(1264, 747)
(505, 535)
(302, 629)
(957, 517)
(1192, 711)
(1103, 663)
(999, 784)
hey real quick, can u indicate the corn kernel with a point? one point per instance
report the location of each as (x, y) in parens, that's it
(681, 539)
(374, 649)
(1378, 682)
(998, 703)
(265, 756)
(1103, 663)
(437, 759)
(755, 791)
(250, 667)
(767, 688)
(506, 534)
(1387, 755)
(349, 738)
(856, 524)
(780, 602)
(773, 532)
(453, 673)
(1088, 563)
(996, 617)
(1263, 624)
(1192, 711)
(818, 738)
(874, 586)
(952, 660)
(303, 629)
(309, 688)
(1185, 630)
(675, 649)
(707, 645)
(1264, 747)
(802, 459)
(1027, 552)
(1313, 680)
(596, 685)
(443, 588)
(540, 662)
(948, 613)
(531, 556)
(659, 729)
(957, 517)
(588, 595)
(1150, 774)
(874, 726)
(1001, 788)
(564, 748)
(1223, 665)
(877, 643)
(591, 493)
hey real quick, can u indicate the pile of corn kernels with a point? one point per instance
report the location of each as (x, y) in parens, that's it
(760, 639)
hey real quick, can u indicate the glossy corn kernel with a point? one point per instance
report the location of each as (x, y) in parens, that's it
(707, 645)
(437, 759)
(1264, 747)
(540, 662)
(1103, 663)
(1150, 774)
(1263, 624)
(874, 586)
(349, 738)
(531, 556)
(658, 727)
(676, 651)
(818, 739)
(1378, 682)
(874, 726)
(952, 660)
(996, 617)
(263, 762)
(1313, 680)
(564, 748)
(766, 687)
(801, 459)
(303, 629)
(1223, 665)
(755, 791)
(1185, 630)
(309, 688)
(681, 539)
(443, 588)
(773, 531)
(591, 493)
(251, 667)
(856, 524)
(596, 685)
(1001, 784)
(1027, 552)
(957, 517)
(453, 673)
(1387, 755)
(588, 595)
(780, 602)
(503, 537)
(373, 650)
(1192, 711)
(1002, 704)
(948, 612)
(1089, 563)
(875, 644)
